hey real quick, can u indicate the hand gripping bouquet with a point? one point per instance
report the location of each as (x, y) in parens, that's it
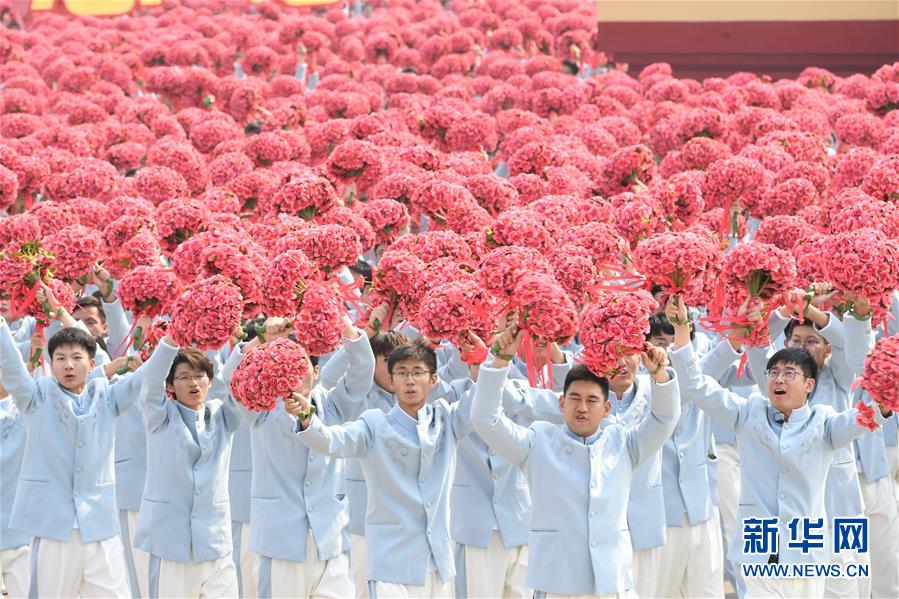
(614, 326)
(547, 315)
(864, 262)
(147, 291)
(22, 267)
(206, 314)
(399, 280)
(452, 310)
(268, 373)
(880, 378)
(757, 272)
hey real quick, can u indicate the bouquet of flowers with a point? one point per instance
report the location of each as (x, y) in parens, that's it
(864, 262)
(387, 217)
(330, 246)
(77, 249)
(318, 325)
(149, 290)
(452, 309)
(881, 373)
(759, 272)
(681, 263)
(545, 311)
(614, 326)
(206, 314)
(305, 195)
(502, 268)
(270, 372)
(284, 281)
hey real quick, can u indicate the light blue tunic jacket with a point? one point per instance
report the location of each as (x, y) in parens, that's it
(185, 515)
(782, 468)
(67, 467)
(409, 466)
(579, 539)
(12, 447)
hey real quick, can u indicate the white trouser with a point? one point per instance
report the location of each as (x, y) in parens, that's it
(729, 486)
(136, 561)
(358, 564)
(495, 571)
(893, 455)
(883, 528)
(244, 560)
(310, 578)
(434, 588)
(647, 564)
(628, 594)
(69, 568)
(849, 588)
(15, 567)
(784, 588)
(183, 580)
(693, 561)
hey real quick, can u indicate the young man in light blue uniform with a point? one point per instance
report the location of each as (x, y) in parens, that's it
(14, 545)
(408, 456)
(579, 475)
(65, 496)
(298, 516)
(491, 502)
(185, 516)
(786, 450)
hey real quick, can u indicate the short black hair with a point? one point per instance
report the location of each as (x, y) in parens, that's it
(788, 331)
(415, 351)
(659, 324)
(796, 356)
(384, 342)
(90, 301)
(580, 372)
(72, 336)
(363, 269)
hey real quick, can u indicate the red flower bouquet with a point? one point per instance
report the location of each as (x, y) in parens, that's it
(206, 314)
(268, 373)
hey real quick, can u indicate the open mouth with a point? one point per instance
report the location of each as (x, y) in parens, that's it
(780, 392)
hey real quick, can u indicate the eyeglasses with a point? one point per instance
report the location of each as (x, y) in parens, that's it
(415, 374)
(789, 375)
(807, 344)
(191, 378)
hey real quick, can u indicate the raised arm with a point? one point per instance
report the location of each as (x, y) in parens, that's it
(153, 398)
(510, 440)
(650, 435)
(842, 428)
(860, 337)
(729, 408)
(349, 394)
(13, 373)
(354, 439)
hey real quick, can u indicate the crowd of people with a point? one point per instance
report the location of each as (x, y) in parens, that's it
(422, 299)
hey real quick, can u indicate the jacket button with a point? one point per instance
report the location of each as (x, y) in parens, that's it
(79, 469)
(80, 443)
(423, 479)
(311, 509)
(782, 496)
(496, 475)
(308, 483)
(194, 516)
(681, 454)
(593, 543)
(428, 504)
(496, 500)
(592, 514)
(197, 491)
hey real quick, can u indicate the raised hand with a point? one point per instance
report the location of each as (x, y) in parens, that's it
(505, 346)
(655, 359)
